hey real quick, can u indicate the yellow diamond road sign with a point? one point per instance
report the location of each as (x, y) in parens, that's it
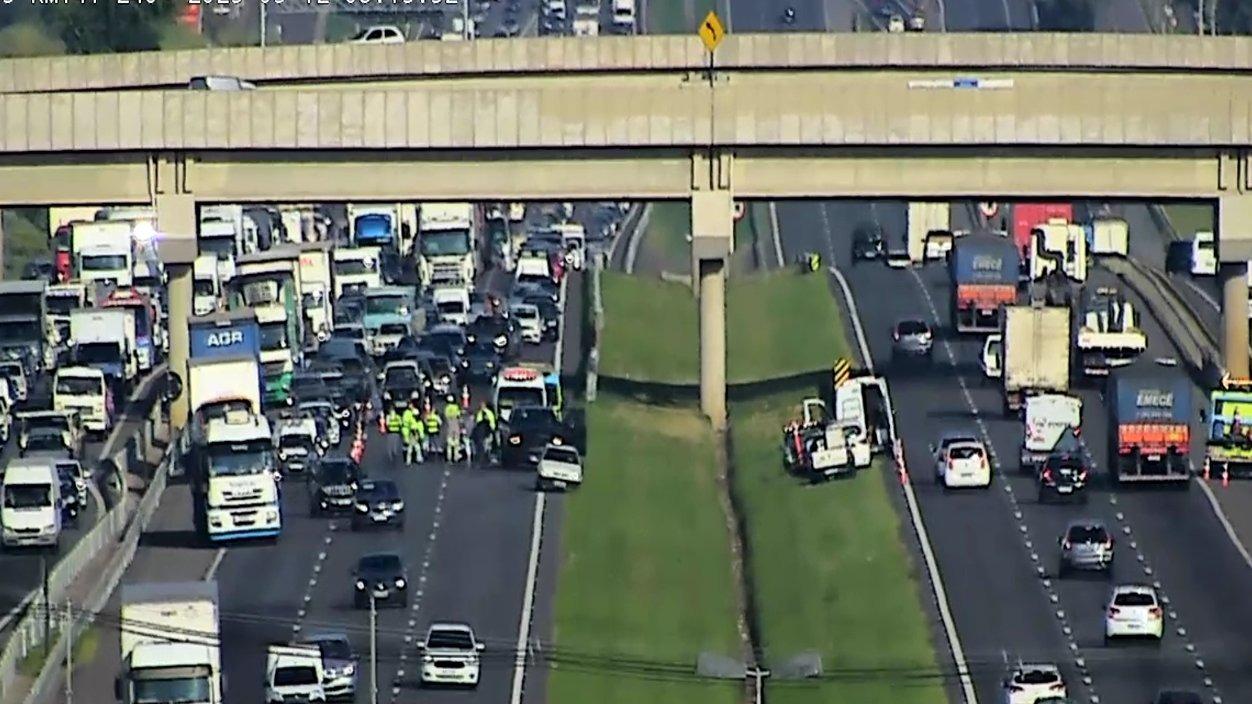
(712, 32)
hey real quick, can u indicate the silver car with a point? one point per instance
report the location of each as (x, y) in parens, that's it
(339, 664)
(912, 338)
(1086, 544)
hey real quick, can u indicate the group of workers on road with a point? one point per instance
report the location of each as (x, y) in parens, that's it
(413, 436)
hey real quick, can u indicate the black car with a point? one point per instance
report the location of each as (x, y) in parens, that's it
(445, 339)
(537, 287)
(1063, 476)
(40, 269)
(297, 454)
(377, 502)
(443, 372)
(343, 392)
(481, 361)
(401, 382)
(71, 504)
(529, 430)
(867, 242)
(332, 485)
(306, 386)
(499, 330)
(382, 578)
(549, 313)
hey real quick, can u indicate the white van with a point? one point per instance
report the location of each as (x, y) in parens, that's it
(452, 304)
(293, 673)
(30, 503)
(624, 16)
(1203, 254)
(83, 389)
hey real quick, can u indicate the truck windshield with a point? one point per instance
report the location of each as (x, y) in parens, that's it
(89, 353)
(239, 459)
(220, 246)
(512, 397)
(387, 304)
(451, 307)
(203, 287)
(103, 262)
(62, 305)
(27, 496)
(79, 386)
(446, 243)
(355, 267)
(20, 331)
(189, 689)
(260, 293)
(274, 336)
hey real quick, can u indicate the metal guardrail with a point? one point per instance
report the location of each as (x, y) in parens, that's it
(28, 632)
(79, 618)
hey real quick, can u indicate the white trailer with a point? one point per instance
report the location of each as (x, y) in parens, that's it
(1036, 353)
(1109, 236)
(317, 292)
(170, 643)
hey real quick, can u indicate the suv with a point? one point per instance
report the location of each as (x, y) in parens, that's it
(378, 503)
(331, 485)
(1086, 545)
(1063, 476)
(912, 339)
(867, 242)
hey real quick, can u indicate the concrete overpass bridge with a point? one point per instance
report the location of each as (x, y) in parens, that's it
(1048, 122)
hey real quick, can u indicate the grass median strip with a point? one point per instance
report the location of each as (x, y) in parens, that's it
(780, 324)
(831, 574)
(649, 330)
(645, 580)
(1190, 218)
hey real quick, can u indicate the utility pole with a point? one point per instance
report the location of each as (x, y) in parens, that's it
(69, 653)
(373, 650)
(47, 608)
(264, 3)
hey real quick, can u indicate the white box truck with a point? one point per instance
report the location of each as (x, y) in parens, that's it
(316, 292)
(104, 338)
(170, 644)
(1036, 353)
(103, 251)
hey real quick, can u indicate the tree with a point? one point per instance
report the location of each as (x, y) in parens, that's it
(29, 39)
(91, 28)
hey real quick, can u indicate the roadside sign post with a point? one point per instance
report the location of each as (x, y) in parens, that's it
(711, 32)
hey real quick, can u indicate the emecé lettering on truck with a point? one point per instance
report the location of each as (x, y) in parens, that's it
(1149, 398)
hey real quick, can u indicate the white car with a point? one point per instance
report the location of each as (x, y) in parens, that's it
(560, 467)
(293, 673)
(1033, 684)
(450, 655)
(380, 34)
(1134, 612)
(963, 463)
(529, 322)
(992, 352)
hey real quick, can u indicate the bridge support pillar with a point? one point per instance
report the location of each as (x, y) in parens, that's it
(176, 225)
(1234, 250)
(712, 241)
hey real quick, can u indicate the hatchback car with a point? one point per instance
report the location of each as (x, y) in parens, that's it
(1086, 544)
(912, 339)
(867, 242)
(377, 502)
(1134, 611)
(963, 463)
(1030, 684)
(451, 655)
(1063, 477)
(529, 430)
(380, 577)
(331, 485)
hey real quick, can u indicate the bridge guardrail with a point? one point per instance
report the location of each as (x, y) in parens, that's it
(27, 634)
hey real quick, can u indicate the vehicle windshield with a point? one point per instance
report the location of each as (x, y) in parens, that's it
(392, 329)
(295, 676)
(379, 491)
(273, 336)
(396, 304)
(239, 459)
(260, 293)
(91, 353)
(335, 472)
(1087, 534)
(561, 454)
(526, 313)
(355, 267)
(217, 246)
(514, 396)
(446, 243)
(167, 691)
(1036, 677)
(203, 287)
(45, 441)
(401, 376)
(62, 305)
(294, 441)
(103, 262)
(26, 496)
(1134, 599)
(450, 640)
(21, 331)
(313, 299)
(380, 563)
(79, 386)
(965, 452)
(533, 416)
(912, 327)
(333, 648)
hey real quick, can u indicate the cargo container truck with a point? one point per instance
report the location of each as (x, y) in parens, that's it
(206, 285)
(447, 240)
(170, 641)
(103, 251)
(316, 289)
(145, 316)
(1036, 353)
(104, 339)
(376, 225)
(23, 320)
(356, 269)
(1109, 336)
(1028, 216)
(1108, 236)
(984, 270)
(1150, 426)
(268, 283)
(59, 301)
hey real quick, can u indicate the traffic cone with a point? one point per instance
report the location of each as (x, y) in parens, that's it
(1225, 475)
(382, 425)
(1206, 469)
(465, 398)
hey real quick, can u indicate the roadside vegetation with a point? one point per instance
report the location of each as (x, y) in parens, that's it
(25, 238)
(645, 577)
(780, 324)
(650, 330)
(1189, 218)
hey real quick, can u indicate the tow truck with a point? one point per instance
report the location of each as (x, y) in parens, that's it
(1110, 336)
(1228, 446)
(819, 446)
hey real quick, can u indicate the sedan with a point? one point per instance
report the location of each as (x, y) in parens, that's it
(1134, 612)
(451, 655)
(560, 467)
(378, 503)
(1031, 684)
(380, 578)
(912, 339)
(481, 361)
(339, 664)
(530, 429)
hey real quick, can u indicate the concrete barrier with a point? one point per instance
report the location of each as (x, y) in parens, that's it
(120, 455)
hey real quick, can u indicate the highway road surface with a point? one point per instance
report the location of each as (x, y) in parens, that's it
(465, 544)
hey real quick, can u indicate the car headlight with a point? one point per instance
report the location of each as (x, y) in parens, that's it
(363, 508)
(360, 584)
(349, 670)
(387, 395)
(400, 583)
(397, 506)
(558, 441)
(515, 439)
(464, 362)
(501, 341)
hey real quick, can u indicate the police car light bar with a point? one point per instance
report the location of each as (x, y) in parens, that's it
(520, 374)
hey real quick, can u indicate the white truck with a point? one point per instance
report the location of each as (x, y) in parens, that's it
(316, 291)
(1058, 243)
(234, 479)
(357, 269)
(447, 239)
(219, 239)
(170, 644)
(84, 390)
(1108, 236)
(104, 338)
(587, 20)
(1047, 418)
(375, 224)
(1036, 353)
(820, 446)
(573, 243)
(1109, 335)
(452, 304)
(60, 300)
(103, 251)
(923, 219)
(206, 284)
(624, 16)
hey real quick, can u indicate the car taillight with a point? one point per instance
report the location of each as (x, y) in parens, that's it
(1047, 475)
(1113, 611)
(896, 336)
(1082, 476)
(1016, 688)
(1108, 544)
(1155, 611)
(1077, 431)
(1058, 687)
(1066, 545)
